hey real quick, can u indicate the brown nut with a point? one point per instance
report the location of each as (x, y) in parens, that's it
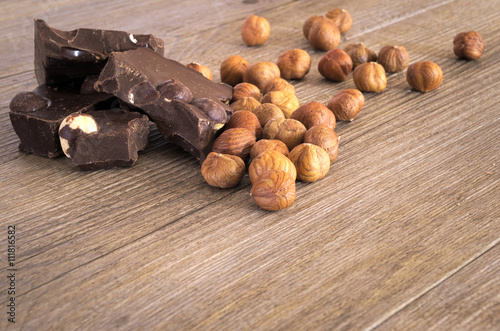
(261, 73)
(424, 76)
(393, 58)
(278, 84)
(311, 162)
(245, 90)
(341, 18)
(346, 104)
(266, 112)
(245, 119)
(222, 170)
(324, 35)
(245, 103)
(468, 45)
(255, 30)
(335, 65)
(267, 161)
(325, 138)
(289, 131)
(274, 191)
(314, 113)
(286, 101)
(213, 110)
(266, 144)
(204, 70)
(294, 63)
(370, 77)
(232, 69)
(236, 141)
(309, 23)
(360, 54)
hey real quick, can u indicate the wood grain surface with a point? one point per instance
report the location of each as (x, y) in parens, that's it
(402, 234)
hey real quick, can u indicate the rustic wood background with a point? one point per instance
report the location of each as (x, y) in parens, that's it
(402, 234)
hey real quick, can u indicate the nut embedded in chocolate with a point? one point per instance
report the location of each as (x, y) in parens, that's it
(73, 126)
(173, 89)
(26, 102)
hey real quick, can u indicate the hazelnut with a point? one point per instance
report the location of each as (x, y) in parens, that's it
(222, 170)
(266, 144)
(204, 70)
(324, 35)
(393, 58)
(294, 63)
(325, 138)
(286, 101)
(424, 76)
(309, 23)
(274, 191)
(232, 69)
(245, 119)
(255, 30)
(236, 141)
(346, 104)
(245, 103)
(311, 162)
(174, 89)
(71, 127)
(335, 65)
(360, 54)
(313, 113)
(468, 45)
(370, 77)
(341, 18)
(267, 111)
(278, 84)
(245, 90)
(289, 131)
(213, 110)
(270, 160)
(261, 73)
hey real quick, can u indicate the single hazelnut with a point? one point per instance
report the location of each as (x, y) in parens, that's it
(174, 89)
(255, 30)
(213, 110)
(294, 63)
(309, 23)
(335, 65)
(324, 35)
(266, 144)
(286, 101)
(468, 45)
(261, 73)
(314, 113)
(289, 131)
(393, 58)
(72, 126)
(204, 70)
(370, 77)
(311, 162)
(222, 170)
(245, 119)
(346, 104)
(424, 76)
(245, 90)
(236, 141)
(360, 54)
(232, 69)
(270, 160)
(245, 103)
(266, 112)
(341, 18)
(274, 191)
(278, 84)
(325, 138)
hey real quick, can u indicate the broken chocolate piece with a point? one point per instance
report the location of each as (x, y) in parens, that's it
(67, 57)
(140, 77)
(104, 139)
(36, 116)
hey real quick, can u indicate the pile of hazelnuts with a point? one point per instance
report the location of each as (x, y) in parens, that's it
(282, 141)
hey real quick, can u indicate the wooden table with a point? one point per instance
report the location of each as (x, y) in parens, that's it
(402, 234)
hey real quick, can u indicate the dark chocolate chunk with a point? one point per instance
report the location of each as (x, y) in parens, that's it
(104, 139)
(67, 57)
(139, 77)
(36, 116)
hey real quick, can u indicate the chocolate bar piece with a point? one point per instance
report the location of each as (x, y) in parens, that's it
(36, 116)
(104, 139)
(171, 95)
(67, 57)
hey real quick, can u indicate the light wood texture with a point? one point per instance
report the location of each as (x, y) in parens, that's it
(403, 232)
